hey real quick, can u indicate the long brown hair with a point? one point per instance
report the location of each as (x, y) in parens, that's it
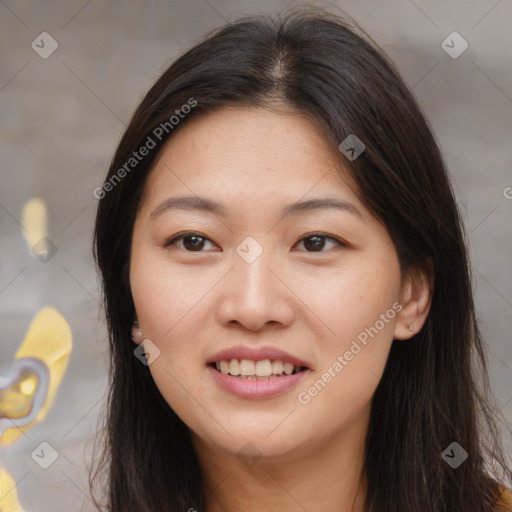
(431, 392)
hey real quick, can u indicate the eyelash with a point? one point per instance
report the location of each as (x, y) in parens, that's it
(177, 238)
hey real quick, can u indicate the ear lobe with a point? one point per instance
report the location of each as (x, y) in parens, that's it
(416, 299)
(136, 333)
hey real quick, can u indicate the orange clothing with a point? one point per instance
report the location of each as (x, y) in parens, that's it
(505, 500)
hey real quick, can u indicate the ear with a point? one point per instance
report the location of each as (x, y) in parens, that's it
(415, 298)
(136, 333)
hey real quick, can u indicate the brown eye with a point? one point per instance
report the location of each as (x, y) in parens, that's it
(191, 242)
(195, 242)
(316, 242)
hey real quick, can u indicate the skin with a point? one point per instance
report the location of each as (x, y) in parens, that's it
(311, 301)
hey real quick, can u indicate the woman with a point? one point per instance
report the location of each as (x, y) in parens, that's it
(278, 236)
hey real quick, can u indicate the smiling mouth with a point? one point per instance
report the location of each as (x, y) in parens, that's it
(264, 369)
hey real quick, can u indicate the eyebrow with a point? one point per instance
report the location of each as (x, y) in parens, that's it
(207, 205)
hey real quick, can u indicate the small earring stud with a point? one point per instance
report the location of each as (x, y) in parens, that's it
(136, 332)
(410, 327)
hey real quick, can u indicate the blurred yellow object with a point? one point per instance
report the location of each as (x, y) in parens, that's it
(48, 340)
(34, 219)
(8, 496)
(16, 400)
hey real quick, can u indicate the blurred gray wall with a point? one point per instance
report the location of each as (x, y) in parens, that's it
(62, 116)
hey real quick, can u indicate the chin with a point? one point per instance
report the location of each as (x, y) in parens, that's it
(255, 446)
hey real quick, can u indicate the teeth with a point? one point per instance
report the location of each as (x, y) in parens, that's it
(234, 367)
(247, 367)
(277, 367)
(256, 370)
(264, 368)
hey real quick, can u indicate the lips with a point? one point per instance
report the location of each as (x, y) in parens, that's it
(262, 373)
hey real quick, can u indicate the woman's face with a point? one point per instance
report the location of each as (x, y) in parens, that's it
(257, 275)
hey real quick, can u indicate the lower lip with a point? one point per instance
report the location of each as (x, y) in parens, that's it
(256, 389)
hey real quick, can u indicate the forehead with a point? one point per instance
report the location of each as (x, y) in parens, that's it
(250, 153)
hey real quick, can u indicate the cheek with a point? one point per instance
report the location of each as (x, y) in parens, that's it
(351, 300)
(164, 299)
(165, 295)
(169, 300)
(358, 317)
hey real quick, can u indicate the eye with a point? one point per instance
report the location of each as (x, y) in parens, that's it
(192, 242)
(195, 242)
(316, 242)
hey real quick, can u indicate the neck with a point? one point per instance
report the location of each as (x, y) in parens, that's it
(326, 475)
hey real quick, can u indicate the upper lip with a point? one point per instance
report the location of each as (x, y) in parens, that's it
(256, 354)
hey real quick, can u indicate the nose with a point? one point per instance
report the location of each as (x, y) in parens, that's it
(255, 294)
